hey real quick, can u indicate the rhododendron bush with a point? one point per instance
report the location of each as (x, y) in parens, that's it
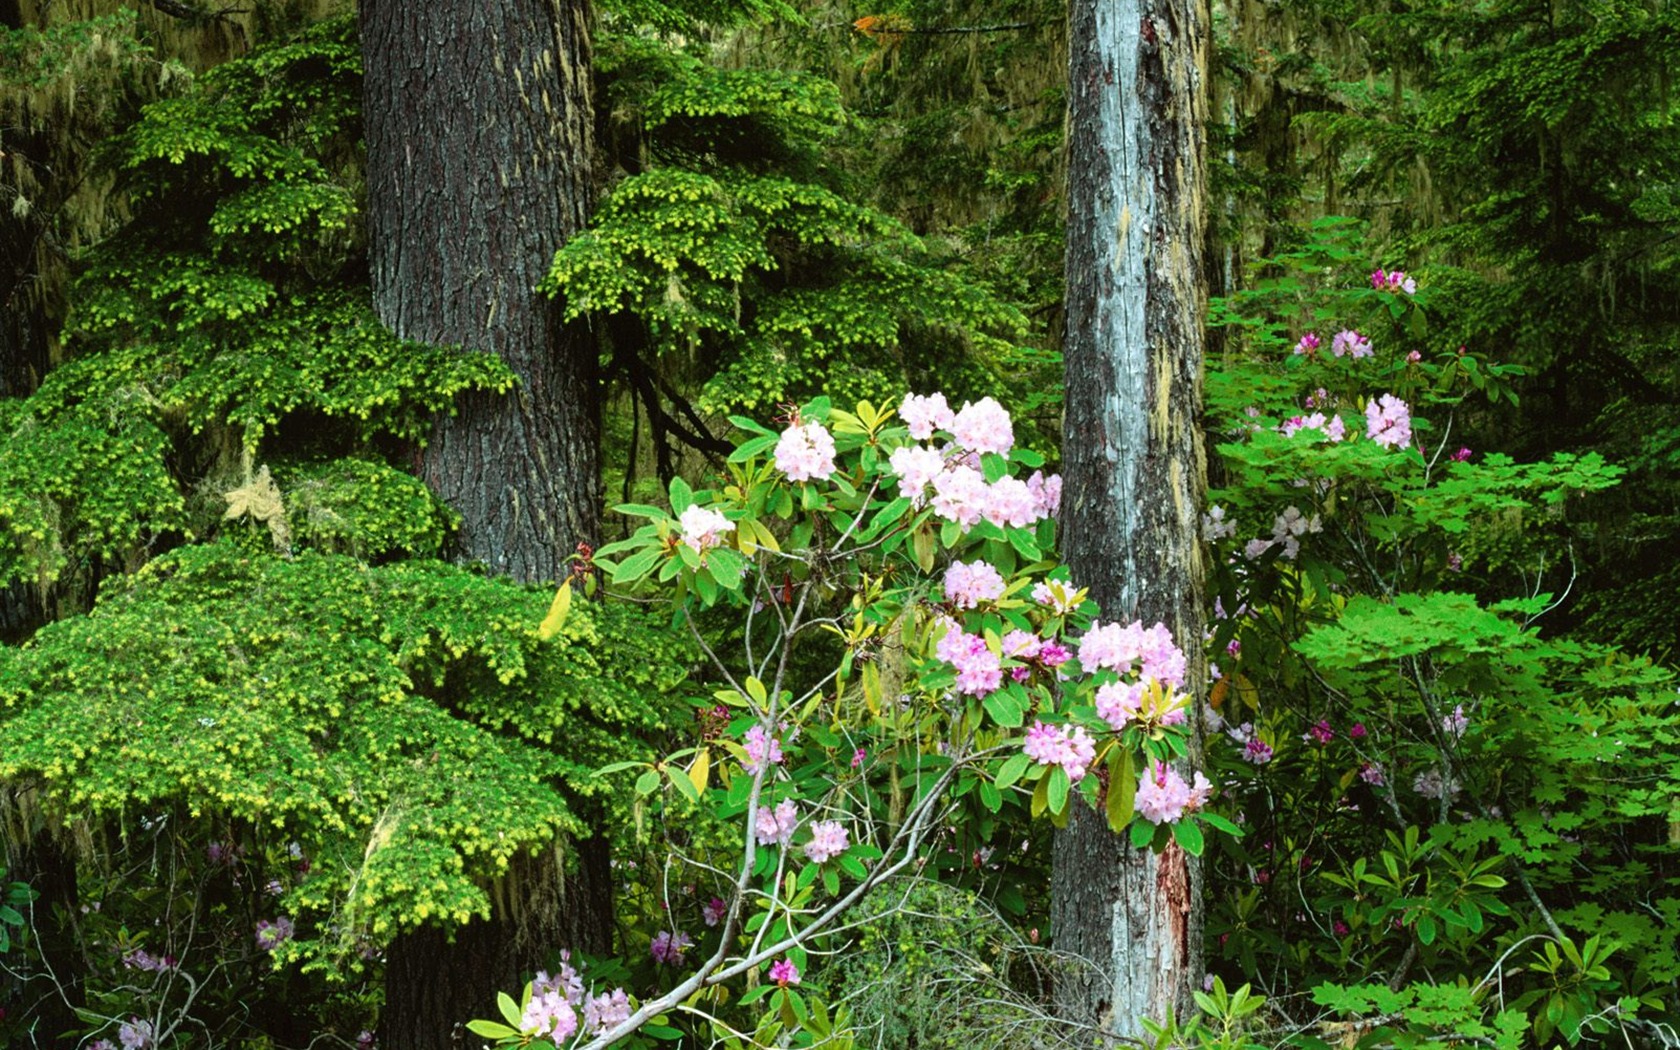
(1427, 776)
(908, 656)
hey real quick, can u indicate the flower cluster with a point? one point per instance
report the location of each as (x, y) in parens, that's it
(1123, 649)
(669, 948)
(271, 935)
(776, 825)
(805, 452)
(783, 973)
(828, 840)
(703, 529)
(1333, 428)
(967, 584)
(1061, 745)
(1388, 422)
(1308, 344)
(1348, 342)
(979, 670)
(1254, 750)
(961, 492)
(1163, 797)
(763, 749)
(1393, 281)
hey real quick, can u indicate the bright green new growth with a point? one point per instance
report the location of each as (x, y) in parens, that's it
(404, 723)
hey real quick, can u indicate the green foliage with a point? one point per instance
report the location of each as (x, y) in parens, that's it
(733, 252)
(1427, 773)
(404, 723)
(365, 509)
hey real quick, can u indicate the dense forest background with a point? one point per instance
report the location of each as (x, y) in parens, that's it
(275, 717)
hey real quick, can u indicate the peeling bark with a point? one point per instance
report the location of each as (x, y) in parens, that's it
(1132, 458)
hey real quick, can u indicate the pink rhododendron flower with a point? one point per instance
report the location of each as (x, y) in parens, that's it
(1321, 733)
(1462, 455)
(1113, 646)
(924, 415)
(713, 911)
(916, 466)
(961, 495)
(135, 1034)
(549, 1014)
(1456, 723)
(762, 748)
(967, 584)
(775, 826)
(1162, 795)
(828, 840)
(1346, 342)
(568, 983)
(703, 529)
(1201, 790)
(1388, 422)
(1393, 281)
(668, 948)
(783, 972)
(1010, 503)
(1021, 645)
(805, 452)
(1118, 703)
(602, 1013)
(1047, 491)
(1372, 774)
(1067, 746)
(979, 670)
(1308, 345)
(983, 426)
(1357, 731)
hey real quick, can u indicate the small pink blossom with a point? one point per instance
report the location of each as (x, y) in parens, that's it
(924, 415)
(763, 749)
(1067, 746)
(805, 452)
(1215, 526)
(783, 973)
(1357, 731)
(1461, 456)
(713, 911)
(271, 935)
(1308, 344)
(1388, 422)
(703, 529)
(603, 1013)
(828, 840)
(916, 466)
(967, 584)
(1348, 342)
(1118, 703)
(1455, 724)
(1047, 492)
(1059, 595)
(776, 825)
(1372, 774)
(983, 426)
(961, 495)
(1320, 733)
(1010, 503)
(668, 948)
(1162, 795)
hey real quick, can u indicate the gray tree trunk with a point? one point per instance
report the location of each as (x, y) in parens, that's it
(478, 116)
(1132, 459)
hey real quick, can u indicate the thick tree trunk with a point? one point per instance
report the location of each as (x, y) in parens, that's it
(478, 118)
(479, 139)
(1132, 457)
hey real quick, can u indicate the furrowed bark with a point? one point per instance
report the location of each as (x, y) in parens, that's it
(478, 116)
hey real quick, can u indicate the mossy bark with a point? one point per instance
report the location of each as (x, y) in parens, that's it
(1132, 458)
